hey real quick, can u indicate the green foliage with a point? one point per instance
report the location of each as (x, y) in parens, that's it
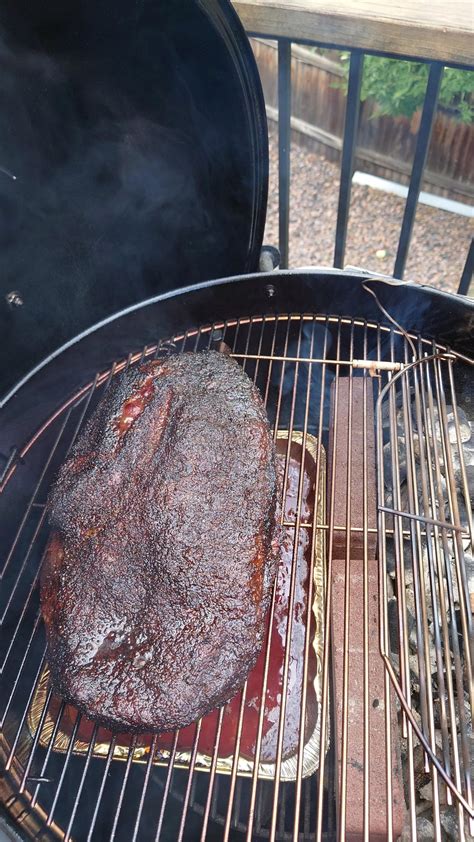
(398, 87)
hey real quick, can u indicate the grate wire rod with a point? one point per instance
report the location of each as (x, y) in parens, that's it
(283, 372)
(435, 359)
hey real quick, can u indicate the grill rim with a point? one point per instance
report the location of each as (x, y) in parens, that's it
(352, 319)
(309, 287)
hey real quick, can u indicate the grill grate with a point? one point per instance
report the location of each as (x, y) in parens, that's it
(302, 364)
(430, 515)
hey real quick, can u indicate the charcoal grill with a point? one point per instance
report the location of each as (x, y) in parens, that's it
(378, 372)
(368, 387)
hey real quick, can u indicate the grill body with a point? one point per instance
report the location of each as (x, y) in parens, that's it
(130, 142)
(297, 335)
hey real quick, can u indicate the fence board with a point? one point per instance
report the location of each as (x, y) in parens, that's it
(386, 145)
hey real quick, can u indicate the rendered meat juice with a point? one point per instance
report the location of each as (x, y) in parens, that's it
(276, 655)
(157, 579)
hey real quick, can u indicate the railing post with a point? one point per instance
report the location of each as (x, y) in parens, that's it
(284, 141)
(467, 272)
(351, 125)
(421, 151)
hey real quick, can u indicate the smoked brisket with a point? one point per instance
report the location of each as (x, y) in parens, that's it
(158, 575)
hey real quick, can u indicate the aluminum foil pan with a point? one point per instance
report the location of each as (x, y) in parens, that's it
(311, 519)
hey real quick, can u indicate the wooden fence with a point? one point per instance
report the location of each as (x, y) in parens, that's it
(386, 145)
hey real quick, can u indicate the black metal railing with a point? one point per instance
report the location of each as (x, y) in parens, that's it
(349, 147)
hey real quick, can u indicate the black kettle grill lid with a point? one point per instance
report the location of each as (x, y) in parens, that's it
(133, 160)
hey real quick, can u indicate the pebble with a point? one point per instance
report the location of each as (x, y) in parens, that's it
(440, 240)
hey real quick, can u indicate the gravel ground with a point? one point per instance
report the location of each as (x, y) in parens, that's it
(439, 244)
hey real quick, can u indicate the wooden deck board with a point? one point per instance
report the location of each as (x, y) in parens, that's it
(428, 29)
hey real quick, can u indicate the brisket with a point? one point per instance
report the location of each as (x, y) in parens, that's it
(158, 575)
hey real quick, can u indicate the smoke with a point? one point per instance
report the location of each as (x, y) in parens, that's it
(101, 193)
(113, 172)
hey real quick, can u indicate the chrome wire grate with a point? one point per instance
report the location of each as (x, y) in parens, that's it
(396, 615)
(426, 458)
